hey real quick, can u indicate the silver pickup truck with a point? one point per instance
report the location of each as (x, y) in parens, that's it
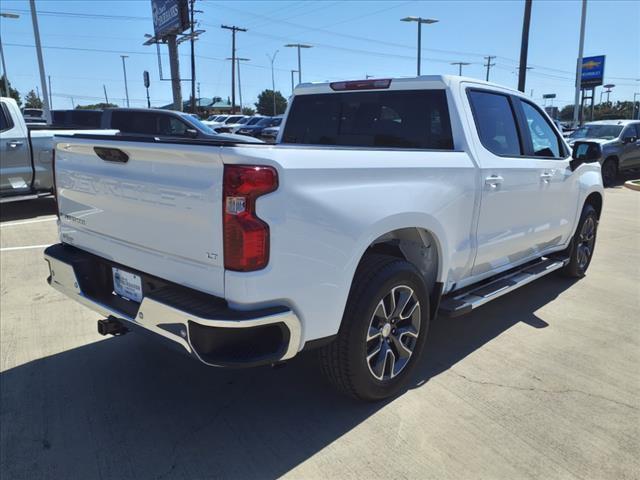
(26, 154)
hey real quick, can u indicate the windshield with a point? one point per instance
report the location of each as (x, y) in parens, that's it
(254, 120)
(242, 121)
(607, 132)
(233, 119)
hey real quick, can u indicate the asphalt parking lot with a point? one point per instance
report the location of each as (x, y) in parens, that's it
(543, 383)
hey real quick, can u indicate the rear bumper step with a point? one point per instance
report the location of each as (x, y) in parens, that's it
(459, 303)
(202, 324)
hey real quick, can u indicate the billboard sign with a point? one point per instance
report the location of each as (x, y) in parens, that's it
(170, 17)
(592, 71)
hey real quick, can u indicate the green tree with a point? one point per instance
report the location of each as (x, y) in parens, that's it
(96, 106)
(32, 100)
(13, 93)
(265, 103)
(248, 111)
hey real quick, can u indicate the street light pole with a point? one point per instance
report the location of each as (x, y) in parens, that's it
(292, 85)
(272, 58)
(576, 99)
(4, 66)
(124, 70)
(420, 21)
(524, 45)
(298, 46)
(43, 77)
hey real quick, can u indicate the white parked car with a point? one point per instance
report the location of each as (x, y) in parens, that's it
(425, 195)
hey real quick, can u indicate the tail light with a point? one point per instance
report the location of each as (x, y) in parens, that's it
(246, 237)
(376, 84)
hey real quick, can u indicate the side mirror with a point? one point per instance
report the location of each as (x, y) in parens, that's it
(626, 140)
(192, 133)
(585, 152)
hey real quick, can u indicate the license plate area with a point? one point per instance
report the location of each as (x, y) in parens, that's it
(127, 285)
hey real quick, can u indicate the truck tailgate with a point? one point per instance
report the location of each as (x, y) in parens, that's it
(160, 211)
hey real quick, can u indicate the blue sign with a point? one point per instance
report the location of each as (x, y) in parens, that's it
(592, 71)
(170, 17)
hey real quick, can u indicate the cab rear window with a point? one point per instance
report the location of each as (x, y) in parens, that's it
(392, 119)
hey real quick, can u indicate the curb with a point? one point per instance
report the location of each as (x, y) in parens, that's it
(633, 185)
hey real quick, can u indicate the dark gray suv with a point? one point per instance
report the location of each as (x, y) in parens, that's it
(620, 141)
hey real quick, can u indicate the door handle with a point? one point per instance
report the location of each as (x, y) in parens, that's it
(493, 181)
(14, 144)
(546, 177)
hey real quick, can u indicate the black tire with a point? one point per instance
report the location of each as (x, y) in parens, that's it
(380, 279)
(582, 244)
(609, 172)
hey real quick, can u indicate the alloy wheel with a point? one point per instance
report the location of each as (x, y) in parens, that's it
(586, 241)
(393, 332)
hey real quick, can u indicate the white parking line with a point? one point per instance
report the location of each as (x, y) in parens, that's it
(25, 222)
(27, 247)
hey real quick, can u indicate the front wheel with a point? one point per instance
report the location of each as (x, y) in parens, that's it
(583, 243)
(383, 330)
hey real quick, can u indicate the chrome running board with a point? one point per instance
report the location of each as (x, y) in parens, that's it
(470, 298)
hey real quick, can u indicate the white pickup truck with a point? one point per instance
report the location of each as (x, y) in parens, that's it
(26, 154)
(383, 203)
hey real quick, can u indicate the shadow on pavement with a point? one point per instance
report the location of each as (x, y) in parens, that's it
(27, 209)
(126, 407)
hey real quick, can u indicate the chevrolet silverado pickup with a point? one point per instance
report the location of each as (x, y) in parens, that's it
(26, 153)
(384, 203)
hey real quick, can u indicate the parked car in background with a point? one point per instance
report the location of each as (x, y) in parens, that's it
(161, 123)
(620, 141)
(26, 154)
(270, 134)
(33, 115)
(214, 120)
(386, 202)
(231, 123)
(256, 129)
(250, 121)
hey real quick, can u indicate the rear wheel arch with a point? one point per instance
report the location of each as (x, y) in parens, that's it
(416, 245)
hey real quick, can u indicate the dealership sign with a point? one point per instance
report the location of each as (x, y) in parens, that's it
(170, 17)
(592, 71)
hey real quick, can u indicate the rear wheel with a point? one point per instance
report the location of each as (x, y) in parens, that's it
(609, 172)
(583, 243)
(383, 330)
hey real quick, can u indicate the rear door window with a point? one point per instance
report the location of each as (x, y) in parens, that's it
(544, 140)
(394, 119)
(496, 123)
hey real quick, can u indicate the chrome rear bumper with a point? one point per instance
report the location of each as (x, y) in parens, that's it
(180, 325)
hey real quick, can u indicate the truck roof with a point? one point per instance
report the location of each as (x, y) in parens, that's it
(396, 83)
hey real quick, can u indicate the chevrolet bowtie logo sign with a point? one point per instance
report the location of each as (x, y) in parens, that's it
(592, 72)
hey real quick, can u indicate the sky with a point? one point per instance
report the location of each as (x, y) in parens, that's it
(83, 41)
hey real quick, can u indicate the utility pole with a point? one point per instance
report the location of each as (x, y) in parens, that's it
(576, 99)
(238, 60)
(460, 64)
(106, 99)
(292, 85)
(124, 71)
(233, 29)
(488, 58)
(298, 46)
(50, 94)
(174, 65)
(524, 45)
(43, 82)
(272, 58)
(193, 62)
